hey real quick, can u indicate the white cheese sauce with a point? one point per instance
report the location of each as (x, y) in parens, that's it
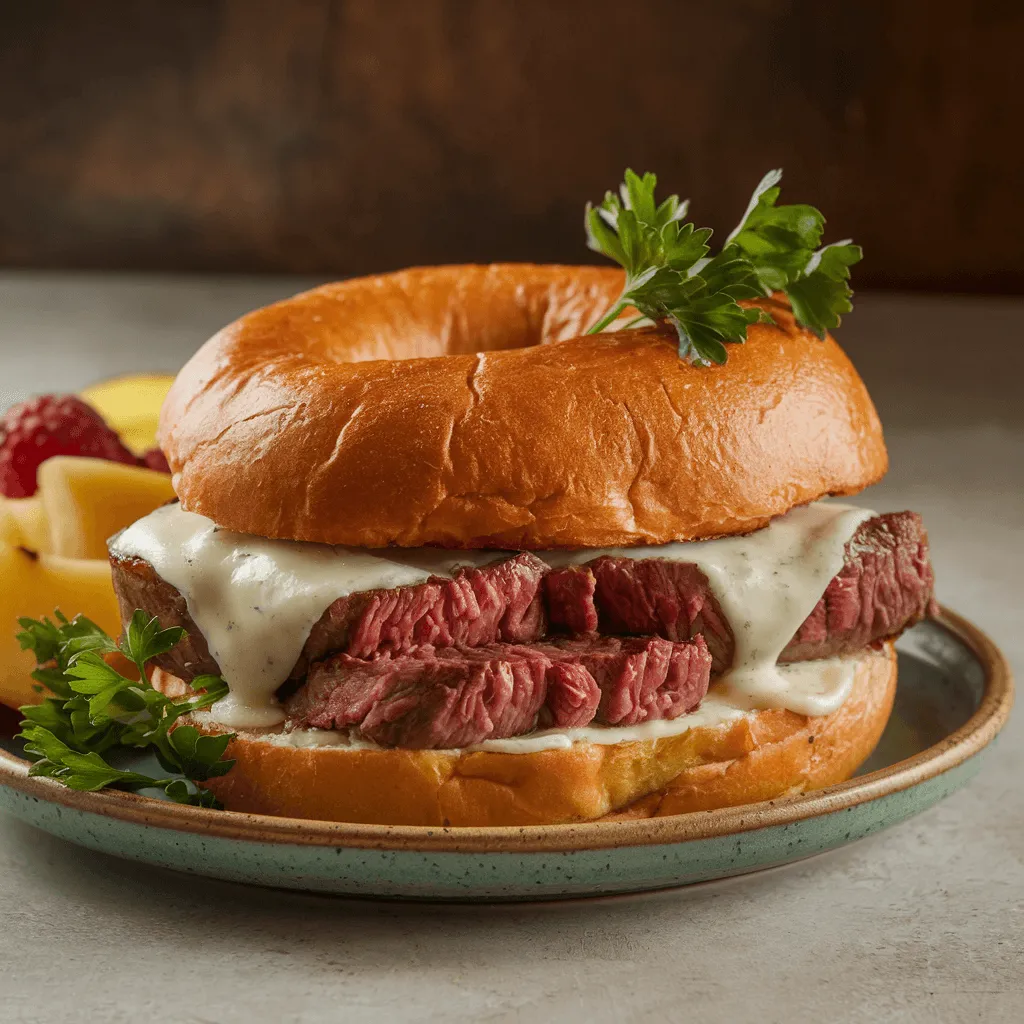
(256, 600)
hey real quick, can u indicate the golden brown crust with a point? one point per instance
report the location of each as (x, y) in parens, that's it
(759, 757)
(320, 418)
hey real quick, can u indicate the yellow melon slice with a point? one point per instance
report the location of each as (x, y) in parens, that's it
(32, 586)
(23, 523)
(87, 501)
(131, 405)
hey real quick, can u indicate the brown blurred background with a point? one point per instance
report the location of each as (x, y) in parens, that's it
(351, 136)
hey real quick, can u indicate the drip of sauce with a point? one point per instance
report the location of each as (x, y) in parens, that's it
(766, 583)
(256, 600)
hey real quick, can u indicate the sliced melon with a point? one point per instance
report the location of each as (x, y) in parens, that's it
(131, 405)
(23, 523)
(87, 501)
(33, 586)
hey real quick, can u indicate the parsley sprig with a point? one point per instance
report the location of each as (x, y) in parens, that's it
(95, 710)
(670, 277)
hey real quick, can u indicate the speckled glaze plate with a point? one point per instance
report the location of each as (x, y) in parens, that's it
(953, 696)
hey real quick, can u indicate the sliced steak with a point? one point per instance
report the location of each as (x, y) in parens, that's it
(433, 698)
(885, 586)
(640, 679)
(501, 602)
(624, 596)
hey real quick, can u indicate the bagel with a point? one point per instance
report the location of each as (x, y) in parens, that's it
(760, 756)
(464, 407)
(460, 563)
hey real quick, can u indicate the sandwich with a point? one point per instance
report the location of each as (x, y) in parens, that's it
(520, 544)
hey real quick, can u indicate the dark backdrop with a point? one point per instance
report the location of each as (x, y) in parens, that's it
(350, 136)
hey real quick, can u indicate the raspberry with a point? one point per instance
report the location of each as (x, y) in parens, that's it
(39, 429)
(156, 460)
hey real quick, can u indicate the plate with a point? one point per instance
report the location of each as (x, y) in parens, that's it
(953, 696)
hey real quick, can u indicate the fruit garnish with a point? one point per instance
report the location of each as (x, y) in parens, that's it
(33, 584)
(131, 405)
(53, 550)
(87, 501)
(49, 425)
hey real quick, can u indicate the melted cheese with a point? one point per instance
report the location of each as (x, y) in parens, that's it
(256, 600)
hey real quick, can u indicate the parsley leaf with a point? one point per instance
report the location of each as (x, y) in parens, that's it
(777, 240)
(821, 293)
(95, 709)
(670, 278)
(144, 639)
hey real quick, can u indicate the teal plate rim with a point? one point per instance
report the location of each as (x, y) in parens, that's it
(956, 748)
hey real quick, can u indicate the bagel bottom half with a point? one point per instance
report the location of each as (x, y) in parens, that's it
(761, 756)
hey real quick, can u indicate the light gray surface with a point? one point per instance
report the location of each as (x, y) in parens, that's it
(923, 923)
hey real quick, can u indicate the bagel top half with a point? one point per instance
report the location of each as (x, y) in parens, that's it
(463, 406)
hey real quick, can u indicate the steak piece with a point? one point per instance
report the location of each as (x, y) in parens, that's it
(138, 585)
(497, 602)
(650, 596)
(885, 586)
(432, 698)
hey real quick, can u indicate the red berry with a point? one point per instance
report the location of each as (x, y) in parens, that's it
(39, 429)
(156, 460)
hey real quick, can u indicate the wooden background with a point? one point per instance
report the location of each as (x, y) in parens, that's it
(359, 135)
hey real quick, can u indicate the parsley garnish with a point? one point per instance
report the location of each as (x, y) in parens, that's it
(95, 710)
(670, 277)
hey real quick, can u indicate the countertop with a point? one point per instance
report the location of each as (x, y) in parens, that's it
(922, 923)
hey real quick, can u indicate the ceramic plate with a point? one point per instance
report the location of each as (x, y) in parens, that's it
(953, 696)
